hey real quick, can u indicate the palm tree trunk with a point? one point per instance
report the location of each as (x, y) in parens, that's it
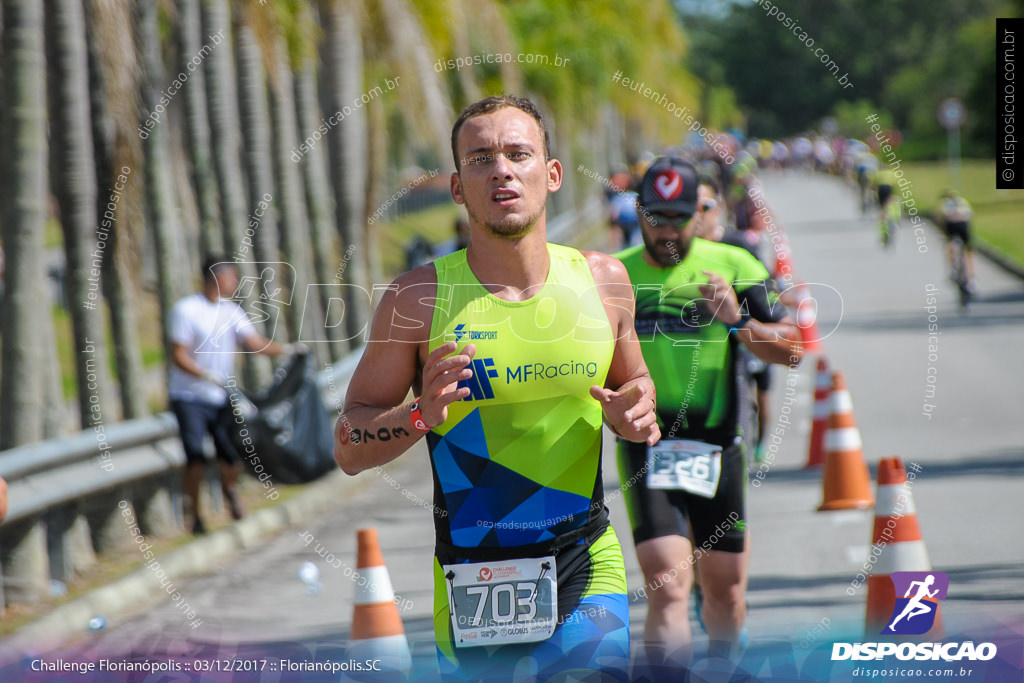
(320, 207)
(74, 182)
(222, 97)
(377, 172)
(160, 204)
(305, 314)
(348, 149)
(461, 45)
(259, 169)
(193, 46)
(23, 160)
(407, 37)
(55, 417)
(256, 134)
(103, 30)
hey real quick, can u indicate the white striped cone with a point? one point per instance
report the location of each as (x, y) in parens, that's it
(896, 546)
(377, 632)
(819, 424)
(847, 482)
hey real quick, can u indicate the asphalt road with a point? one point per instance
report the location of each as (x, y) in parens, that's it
(967, 491)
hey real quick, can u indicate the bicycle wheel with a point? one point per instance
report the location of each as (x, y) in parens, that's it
(959, 265)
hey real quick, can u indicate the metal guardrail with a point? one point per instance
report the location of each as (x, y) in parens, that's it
(562, 228)
(19, 463)
(65, 493)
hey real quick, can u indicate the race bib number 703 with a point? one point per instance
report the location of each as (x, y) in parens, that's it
(496, 603)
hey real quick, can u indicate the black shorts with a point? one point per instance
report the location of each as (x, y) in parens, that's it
(759, 371)
(195, 421)
(959, 229)
(884, 192)
(717, 523)
(763, 379)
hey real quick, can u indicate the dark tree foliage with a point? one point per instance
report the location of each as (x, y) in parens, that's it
(784, 88)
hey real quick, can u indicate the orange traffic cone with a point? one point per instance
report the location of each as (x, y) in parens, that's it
(807, 318)
(819, 425)
(898, 546)
(784, 263)
(847, 482)
(377, 631)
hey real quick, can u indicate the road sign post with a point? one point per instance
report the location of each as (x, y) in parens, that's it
(952, 114)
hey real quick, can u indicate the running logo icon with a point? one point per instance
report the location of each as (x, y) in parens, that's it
(915, 612)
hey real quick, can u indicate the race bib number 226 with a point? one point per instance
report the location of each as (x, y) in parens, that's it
(679, 464)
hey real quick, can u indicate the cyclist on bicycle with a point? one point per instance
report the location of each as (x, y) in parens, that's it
(888, 203)
(956, 214)
(866, 165)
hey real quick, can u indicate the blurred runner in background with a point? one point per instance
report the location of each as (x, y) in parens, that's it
(696, 300)
(622, 211)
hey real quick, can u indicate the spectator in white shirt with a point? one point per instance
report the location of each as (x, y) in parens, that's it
(206, 330)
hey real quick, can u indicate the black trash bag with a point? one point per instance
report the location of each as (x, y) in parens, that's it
(291, 431)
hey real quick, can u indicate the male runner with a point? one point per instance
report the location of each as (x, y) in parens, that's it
(515, 347)
(709, 212)
(695, 300)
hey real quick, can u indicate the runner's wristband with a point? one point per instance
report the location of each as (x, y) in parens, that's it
(417, 418)
(744, 319)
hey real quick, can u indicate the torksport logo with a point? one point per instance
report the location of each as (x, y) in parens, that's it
(460, 331)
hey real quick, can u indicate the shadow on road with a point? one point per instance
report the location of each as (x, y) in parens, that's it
(1004, 463)
(974, 583)
(987, 311)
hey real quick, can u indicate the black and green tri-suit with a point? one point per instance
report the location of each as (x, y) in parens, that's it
(693, 359)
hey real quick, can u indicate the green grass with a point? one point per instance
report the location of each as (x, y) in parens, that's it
(147, 328)
(65, 351)
(998, 214)
(437, 224)
(53, 236)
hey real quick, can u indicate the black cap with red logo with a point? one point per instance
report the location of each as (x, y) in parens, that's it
(670, 184)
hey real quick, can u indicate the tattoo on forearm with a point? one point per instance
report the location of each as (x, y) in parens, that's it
(363, 436)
